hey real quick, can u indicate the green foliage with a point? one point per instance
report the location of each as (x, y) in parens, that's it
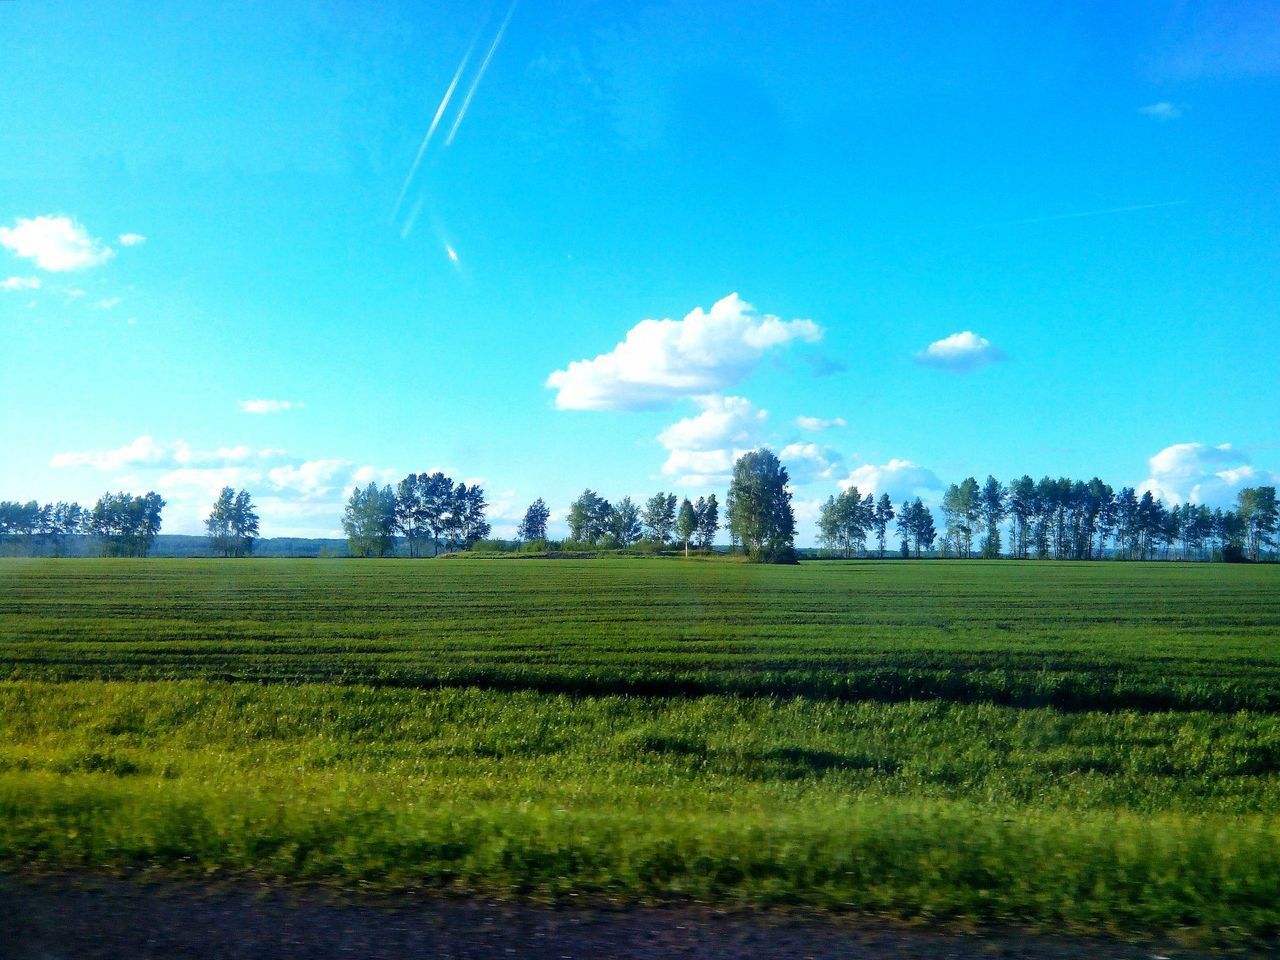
(659, 517)
(686, 524)
(624, 523)
(589, 517)
(232, 524)
(759, 508)
(369, 521)
(845, 520)
(533, 528)
(126, 526)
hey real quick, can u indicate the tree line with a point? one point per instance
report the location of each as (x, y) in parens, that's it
(424, 509)
(1062, 519)
(122, 525)
(1050, 518)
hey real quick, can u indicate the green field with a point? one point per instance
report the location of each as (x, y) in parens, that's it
(1089, 744)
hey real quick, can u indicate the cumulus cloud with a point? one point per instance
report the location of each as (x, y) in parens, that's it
(54, 243)
(20, 283)
(366, 475)
(660, 361)
(268, 406)
(312, 478)
(1164, 110)
(807, 462)
(900, 479)
(142, 450)
(960, 353)
(108, 303)
(815, 424)
(702, 448)
(1200, 473)
(146, 450)
(723, 421)
(131, 239)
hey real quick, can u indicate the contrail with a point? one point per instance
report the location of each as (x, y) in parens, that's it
(1085, 213)
(435, 122)
(480, 74)
(413, 218)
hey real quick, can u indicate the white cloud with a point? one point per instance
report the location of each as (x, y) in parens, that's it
(1164, 110)
(205, 481)
(959, 353)
(815, 424)
(807, 462)
(901, 479)
(268, 406)
(54, 243)
(182, 453)
(131, 239)
(108, 303)
(723, 421)
(20, 283)
(75, 292)
(146, 450)
(660, 361)
(142, 450)
(702, 448)
(1200, 473)
(367, 475)
(312, 479)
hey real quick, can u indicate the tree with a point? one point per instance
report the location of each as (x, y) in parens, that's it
(369, 521)
(534, 525)
(659, 517)
(759, 508)
(66, 521)
(464, 523)
(232, 524)
(993, 507)
(961, 505)
(844, 520)
(880, 520)
(686, 524)
(588, 517)
(1021, 501)
(244, 524)
(624, 522)
(707, 514)
(915, 527)
(922, 528)
(1259, 516)
(126, 526)
(411, 511)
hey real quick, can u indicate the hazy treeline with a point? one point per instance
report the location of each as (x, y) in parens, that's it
(1062, 519)
(119, 524)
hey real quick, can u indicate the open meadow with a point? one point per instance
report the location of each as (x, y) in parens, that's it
(1089, 745)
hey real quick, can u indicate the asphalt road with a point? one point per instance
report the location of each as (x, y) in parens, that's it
(83, 918)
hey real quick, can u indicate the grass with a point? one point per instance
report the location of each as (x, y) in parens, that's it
(1072, 635)
(1096, 745)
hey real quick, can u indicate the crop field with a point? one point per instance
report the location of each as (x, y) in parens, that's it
(1090, 745)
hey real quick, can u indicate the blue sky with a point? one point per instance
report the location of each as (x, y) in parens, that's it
(898, 246)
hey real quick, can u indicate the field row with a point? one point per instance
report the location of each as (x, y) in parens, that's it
(1075, 636)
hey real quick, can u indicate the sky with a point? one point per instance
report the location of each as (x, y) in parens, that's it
(293, 247)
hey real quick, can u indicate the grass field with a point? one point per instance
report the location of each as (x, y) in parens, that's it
(1085, 744)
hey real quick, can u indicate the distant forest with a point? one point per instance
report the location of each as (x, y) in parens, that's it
(430, 514)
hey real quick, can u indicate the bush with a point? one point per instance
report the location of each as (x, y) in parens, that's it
(781, 554)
